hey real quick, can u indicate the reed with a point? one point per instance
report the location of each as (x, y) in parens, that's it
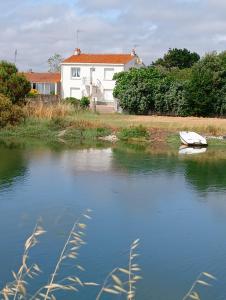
(48, 111)
(200, 280)
(121, 281)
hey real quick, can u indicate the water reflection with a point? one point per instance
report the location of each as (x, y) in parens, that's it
(174, 203)
(13, 165)
(88, 160)
(205, 170)
(185, 150)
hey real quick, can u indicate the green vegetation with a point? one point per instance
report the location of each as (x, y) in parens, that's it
(134, 132)
(84, 102)
(12, 84)
(9, 114)
(73, 101)
(178, 58)
(180, 84)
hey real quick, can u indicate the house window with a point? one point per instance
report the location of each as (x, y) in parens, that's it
(75, 72)
(108, 96)
(45, 88)
(108, 73)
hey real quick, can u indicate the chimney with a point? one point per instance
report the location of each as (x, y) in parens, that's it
(133, 52)
(77, 51)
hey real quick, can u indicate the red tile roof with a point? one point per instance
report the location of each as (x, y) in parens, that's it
(42, 77)
(100, 58)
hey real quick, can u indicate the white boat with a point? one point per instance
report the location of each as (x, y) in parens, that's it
(185, 150)
(192, 139)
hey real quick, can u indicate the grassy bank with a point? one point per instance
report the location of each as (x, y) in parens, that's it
(65, 124)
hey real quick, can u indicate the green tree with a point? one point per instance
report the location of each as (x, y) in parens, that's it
(178, 58)
(206, 91)
(54, 62)
(12, 84)
(135, 89)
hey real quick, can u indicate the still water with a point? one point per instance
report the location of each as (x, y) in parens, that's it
(175, 204)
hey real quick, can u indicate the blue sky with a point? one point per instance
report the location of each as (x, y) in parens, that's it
(40, 28)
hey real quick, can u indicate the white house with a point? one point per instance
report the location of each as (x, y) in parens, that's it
(92, 75)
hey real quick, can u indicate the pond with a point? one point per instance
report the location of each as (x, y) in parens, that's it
(175, 204)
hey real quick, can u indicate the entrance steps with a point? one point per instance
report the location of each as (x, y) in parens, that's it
(105, 109)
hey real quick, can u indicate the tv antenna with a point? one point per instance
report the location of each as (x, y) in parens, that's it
(15, 56)
(135, 46)
(78, 31)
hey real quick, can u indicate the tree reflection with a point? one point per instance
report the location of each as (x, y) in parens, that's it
(204, 171)
(12, 164)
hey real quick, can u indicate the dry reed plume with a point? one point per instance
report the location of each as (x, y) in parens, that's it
(120, 281)
(115, 284)
(200, 280)
(48, 111)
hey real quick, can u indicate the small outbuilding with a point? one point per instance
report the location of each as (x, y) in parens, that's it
(45, 83)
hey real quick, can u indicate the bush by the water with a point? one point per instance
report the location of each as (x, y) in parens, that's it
(9, 114)
(175, 87)
(133, 132)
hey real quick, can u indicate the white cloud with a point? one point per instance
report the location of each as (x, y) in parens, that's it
(38, 24)
(39, 28)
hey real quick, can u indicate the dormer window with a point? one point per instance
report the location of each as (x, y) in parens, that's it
(75, 73)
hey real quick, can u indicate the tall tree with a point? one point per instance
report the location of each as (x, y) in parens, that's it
(179, 58)
(13, 84)
(54, 62)
(206, 91)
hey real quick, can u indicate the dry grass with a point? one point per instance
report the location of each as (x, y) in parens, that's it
(210, 126)
(207, 126)
(44, 111)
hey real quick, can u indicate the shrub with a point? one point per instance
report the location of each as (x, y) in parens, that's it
(170, 98)
(135, 89)
(73, 101)
(133, 132)
(84, 102)
(9, 114)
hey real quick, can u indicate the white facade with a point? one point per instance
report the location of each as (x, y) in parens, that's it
(94, 80)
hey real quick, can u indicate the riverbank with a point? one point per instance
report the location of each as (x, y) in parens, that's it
(81, 126)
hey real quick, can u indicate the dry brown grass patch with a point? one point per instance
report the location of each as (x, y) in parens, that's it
(48, 111)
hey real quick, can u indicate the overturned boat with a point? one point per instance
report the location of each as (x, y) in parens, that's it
(190, 138)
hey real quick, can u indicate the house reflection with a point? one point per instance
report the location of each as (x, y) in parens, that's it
(88, 160)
